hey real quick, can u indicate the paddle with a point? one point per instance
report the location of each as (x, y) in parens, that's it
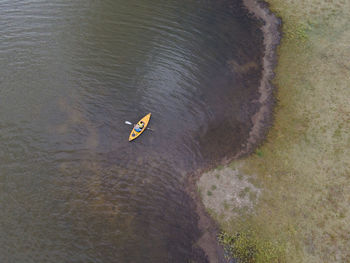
(129, 123)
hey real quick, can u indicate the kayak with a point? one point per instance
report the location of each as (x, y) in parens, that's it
(134, 134)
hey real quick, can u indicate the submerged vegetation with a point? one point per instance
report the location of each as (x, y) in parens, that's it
(303, 168)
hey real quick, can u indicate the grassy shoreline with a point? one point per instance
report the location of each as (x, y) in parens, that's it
(302, 170)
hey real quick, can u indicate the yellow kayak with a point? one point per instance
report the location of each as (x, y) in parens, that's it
(134, 134)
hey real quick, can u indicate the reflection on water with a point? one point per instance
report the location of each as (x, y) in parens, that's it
(72, 188)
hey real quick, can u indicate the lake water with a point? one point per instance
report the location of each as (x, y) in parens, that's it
(72, 188)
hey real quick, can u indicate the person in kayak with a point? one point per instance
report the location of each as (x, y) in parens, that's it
(138, 127)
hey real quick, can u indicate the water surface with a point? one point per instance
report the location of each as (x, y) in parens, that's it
(72, 188)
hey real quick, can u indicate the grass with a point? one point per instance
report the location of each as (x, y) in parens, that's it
(244, 192)
(226, 205)
(259, 153)
(304, 166)
(247, 247)
(240, 176)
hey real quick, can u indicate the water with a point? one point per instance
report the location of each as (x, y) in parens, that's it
(72, 188)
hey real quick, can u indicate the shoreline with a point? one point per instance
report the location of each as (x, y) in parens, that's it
(261, 120)
(289, 199)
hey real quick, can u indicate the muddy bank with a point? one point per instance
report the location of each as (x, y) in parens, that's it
(261, 121)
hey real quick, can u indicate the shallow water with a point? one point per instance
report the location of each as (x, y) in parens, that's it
(72, 188)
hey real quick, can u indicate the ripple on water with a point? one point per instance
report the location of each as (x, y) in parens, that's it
(72, 188)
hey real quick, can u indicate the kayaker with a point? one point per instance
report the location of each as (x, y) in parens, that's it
(138, 127)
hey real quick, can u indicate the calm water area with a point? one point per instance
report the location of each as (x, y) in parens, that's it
(72, 188)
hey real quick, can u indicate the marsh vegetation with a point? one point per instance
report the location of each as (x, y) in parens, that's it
(303, 169)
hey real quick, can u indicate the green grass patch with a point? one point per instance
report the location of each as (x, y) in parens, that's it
(220, 167)
(212, 213)
(247, 247)
(244, 192)
(259, 153)
(226, 205)
(232, 165)
(199, 191)
(239, 176)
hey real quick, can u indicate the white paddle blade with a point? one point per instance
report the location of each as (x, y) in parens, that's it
(128, 122)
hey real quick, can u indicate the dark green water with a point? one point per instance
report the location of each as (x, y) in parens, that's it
(72, 188)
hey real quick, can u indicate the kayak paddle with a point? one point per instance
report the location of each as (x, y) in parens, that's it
(129, 123)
